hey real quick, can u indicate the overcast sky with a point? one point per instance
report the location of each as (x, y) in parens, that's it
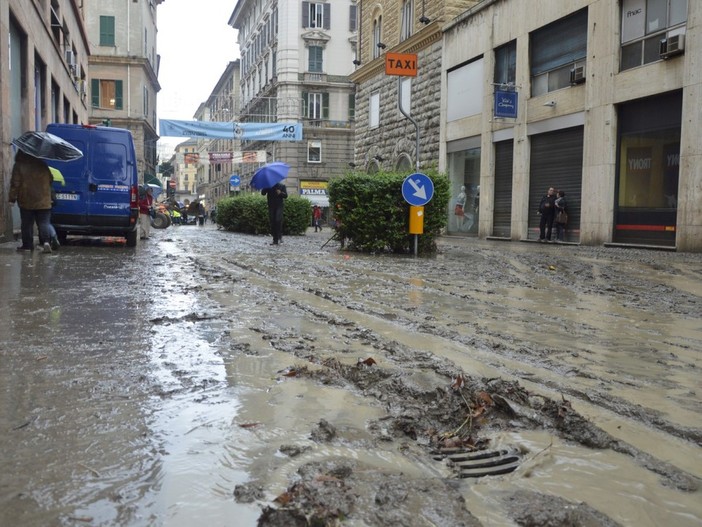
(195, 44)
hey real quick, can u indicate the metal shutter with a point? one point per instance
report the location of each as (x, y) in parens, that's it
(557, 161)
(502, 216)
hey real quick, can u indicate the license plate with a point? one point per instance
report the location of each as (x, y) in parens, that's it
(67, 197)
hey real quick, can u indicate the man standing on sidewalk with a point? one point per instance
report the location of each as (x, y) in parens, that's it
(547, 209)
(275, 195)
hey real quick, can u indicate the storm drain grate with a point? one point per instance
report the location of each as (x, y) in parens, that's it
(477, 464)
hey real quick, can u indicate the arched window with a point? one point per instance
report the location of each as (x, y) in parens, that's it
(377, 35)
(407, 17)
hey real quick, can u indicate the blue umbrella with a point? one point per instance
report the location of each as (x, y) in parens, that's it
(270, 174)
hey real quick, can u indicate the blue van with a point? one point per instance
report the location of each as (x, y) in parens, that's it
(100, 196)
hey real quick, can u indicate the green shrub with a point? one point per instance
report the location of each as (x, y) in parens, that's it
(248, 213)
(373, 216)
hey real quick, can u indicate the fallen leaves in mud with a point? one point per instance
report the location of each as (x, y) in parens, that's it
(367, 362)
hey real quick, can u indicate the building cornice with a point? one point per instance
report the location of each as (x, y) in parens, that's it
(416, 43)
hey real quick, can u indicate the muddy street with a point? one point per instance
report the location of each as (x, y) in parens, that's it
(209, 378)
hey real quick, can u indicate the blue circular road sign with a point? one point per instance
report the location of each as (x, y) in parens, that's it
(417, 189)
(235, 180)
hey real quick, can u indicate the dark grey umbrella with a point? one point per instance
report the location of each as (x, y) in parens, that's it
(47, 146)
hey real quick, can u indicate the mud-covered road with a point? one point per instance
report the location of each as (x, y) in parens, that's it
(207, 378)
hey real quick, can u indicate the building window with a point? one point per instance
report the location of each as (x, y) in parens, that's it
(353, 18)
(407, 19)
(316, 15)
(374, 110)
(315, 105)
(352, 106)
(555, 50)
(644, 25)
(106, 94)
(316, 63)
(107, 31)
(377, 35)
(146, 101)
(314, 151)
(506, 65)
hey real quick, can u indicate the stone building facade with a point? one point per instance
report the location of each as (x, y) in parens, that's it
(606, 98)
(385, 139)
(43, 73)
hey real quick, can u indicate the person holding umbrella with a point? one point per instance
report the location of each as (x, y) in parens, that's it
(275, 195)
(268, 178)
(30, 187)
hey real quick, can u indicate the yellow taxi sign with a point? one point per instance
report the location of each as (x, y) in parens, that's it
(403, 64)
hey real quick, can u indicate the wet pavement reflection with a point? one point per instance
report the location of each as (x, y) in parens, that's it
(142, 386)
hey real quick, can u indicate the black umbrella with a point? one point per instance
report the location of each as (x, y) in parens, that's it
(47, 146)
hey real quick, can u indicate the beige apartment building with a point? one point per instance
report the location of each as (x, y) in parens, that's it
(185, 167)
(385, 138)
(43, 71)
(219, 158)
(600, 98)
(124, 72)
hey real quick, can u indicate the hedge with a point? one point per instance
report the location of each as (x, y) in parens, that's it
(372, 216)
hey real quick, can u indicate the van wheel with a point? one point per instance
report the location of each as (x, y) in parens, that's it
(131, 239)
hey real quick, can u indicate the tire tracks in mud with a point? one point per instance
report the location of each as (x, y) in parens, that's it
(367, 320)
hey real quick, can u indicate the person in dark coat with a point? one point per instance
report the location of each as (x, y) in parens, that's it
(276, 194)
(547, 209)
(30, 187)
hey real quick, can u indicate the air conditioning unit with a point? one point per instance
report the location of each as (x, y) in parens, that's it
(70, 57)
(577, 75)
(672, 45)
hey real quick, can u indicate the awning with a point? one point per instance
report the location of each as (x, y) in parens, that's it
(322, 201)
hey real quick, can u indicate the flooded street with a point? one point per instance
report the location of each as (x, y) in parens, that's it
(208, 378)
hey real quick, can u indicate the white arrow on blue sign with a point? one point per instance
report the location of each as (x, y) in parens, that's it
(235, 180)
(417, 189)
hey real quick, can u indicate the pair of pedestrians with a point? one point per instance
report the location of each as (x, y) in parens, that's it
(552, 209)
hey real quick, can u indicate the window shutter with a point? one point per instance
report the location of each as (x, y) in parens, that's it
(325, 106)
(305, 14)
(352, 106)
(118, 95)
(326, 20)
(95, 92)
(352, 18)
(559, 43)
(305, 108)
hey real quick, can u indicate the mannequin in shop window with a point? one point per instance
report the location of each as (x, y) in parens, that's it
(459, 208)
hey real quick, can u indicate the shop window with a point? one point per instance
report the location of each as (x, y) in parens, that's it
(649, 29)
(557, 49)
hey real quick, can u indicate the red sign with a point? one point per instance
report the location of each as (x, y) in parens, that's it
(172, 184)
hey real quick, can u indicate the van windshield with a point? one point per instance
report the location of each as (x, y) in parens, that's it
(110, 162)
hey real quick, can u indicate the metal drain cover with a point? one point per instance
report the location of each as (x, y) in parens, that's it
(471, 464)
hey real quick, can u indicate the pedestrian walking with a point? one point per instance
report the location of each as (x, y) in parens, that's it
(275, 195)
(547, 210)
(561, 215)
(201, 214)
(30, 188)
(146, 210)
(317, 218)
